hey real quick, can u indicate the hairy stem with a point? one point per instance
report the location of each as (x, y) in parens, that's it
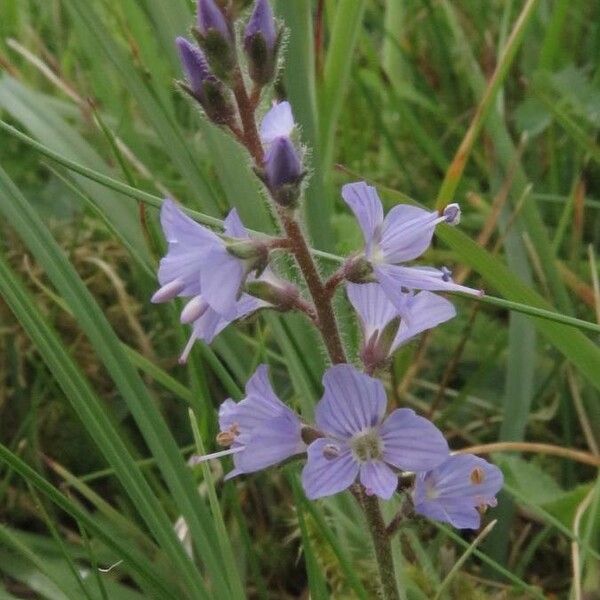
(322, 295)
(327, 323)
(383, 547)
(321, 298)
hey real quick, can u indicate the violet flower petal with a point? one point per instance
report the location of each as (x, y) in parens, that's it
(188, 243)
(424, 310)
(407, 232)
(233, 226)
(269, 443)
(411, 442)
(378, 479)
(277, 122)
(366, 206)
(324, 474)
(222, 277)
(393, 278)
(352, 402)
(374, 308)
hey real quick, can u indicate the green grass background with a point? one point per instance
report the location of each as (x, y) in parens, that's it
(492, 104)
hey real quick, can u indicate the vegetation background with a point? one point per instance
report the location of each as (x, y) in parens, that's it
(95, 413)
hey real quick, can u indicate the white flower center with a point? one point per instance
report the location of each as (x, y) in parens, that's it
(366, 446)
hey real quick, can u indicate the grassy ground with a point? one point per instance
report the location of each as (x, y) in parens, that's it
(494, 104)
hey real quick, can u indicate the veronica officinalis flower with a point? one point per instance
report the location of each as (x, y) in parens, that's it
(261, 43)
(202, 85)
(260, 429)
(457, 490)
(198, 266)
(215, 36)
(403, 235)
(360, 443)
(283, 170)
(385, 327)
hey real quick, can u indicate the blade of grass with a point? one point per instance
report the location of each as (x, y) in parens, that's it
(92, 321)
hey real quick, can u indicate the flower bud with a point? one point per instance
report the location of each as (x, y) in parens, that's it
(358, 269)
(284, 172)
(214, 36)
(261, 43)
(376, 349)
(282, 295)
(202, 85)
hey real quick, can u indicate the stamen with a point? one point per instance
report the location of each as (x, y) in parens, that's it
(477, 476)
(452, 214)
(446, 274)
(197, 459)
(227, 437)
(194, 309)
(168, 292)
(188, 348)
(331, 451)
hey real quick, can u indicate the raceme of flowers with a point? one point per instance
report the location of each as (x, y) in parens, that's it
(355, 442)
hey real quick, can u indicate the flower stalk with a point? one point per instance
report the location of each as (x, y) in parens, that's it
(382, 545)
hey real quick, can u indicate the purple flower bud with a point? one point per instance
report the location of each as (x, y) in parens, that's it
(211, 17)
(194, 65)
(283, 171)
(261, 43)
(282, 163)
(261, 23)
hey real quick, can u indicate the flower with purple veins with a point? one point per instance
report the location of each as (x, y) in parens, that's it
(456, 490)
(385, 327)
(260, 429)
(403, 235)
(360, 443)
(189, 270)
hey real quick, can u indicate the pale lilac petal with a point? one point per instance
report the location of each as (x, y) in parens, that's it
(407, 232)
(227, 414)
(222, 278)
(378, 479)
(411, 442)
(188, 244)
(372, 305)
(259, 385)
(269, 443)
(352, 402)
(278, 122)
(394, 279)
(324, 474)
(233, 226)
(424, 311)
(366, 206)
(458, 514)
